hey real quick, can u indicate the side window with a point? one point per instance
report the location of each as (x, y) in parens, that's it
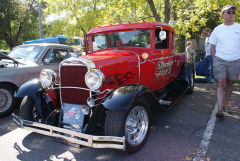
(56, 55)
(161, 44)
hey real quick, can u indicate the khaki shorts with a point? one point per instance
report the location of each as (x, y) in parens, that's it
(226, 69)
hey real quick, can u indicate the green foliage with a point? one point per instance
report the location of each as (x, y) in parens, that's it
(179, 43)
(3, 45)
(82, 15)
(194, 16)
(237, 81)
(18, 18)
(18, 21)
(191, 17)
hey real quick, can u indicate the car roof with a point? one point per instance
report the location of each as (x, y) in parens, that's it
(130, 26)
(47, 45)
(5, 51)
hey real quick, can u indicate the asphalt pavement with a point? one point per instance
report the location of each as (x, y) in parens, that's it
(188, 131)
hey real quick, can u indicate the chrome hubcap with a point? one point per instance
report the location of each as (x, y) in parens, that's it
(5, 100)
(35, 114)
(136, 125)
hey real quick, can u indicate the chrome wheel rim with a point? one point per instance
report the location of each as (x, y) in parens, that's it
(5, 100)
(136, 126)
(35, 114)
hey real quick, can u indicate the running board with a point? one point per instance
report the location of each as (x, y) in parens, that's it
(165, 103)
(168, 101)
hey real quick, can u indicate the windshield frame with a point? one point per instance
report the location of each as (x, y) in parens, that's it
(31, 52)
(116, 39)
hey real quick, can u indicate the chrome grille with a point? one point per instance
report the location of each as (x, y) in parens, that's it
(73, 76)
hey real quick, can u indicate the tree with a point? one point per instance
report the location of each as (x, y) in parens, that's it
(77, 17)
(18, 21)
(153, 9)
(82, 15)
(194, 16)
(167, 11)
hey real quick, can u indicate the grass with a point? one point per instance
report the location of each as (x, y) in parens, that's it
(199, 77)
(237, 81)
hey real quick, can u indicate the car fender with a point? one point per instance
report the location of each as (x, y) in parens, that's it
(124, 97)
(31, 88)
(34, 89)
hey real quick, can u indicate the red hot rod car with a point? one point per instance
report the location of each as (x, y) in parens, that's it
(127, 69)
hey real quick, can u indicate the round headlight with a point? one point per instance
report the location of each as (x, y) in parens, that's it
(47, 77)
(94, 79)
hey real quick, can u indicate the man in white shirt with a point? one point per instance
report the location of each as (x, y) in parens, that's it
(207, 60)
(225, 50)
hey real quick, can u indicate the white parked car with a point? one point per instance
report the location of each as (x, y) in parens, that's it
(6, 52)
(24, 63)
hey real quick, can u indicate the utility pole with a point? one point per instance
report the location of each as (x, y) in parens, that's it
(40, 19)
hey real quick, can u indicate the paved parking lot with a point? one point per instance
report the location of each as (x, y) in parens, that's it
(182, 133)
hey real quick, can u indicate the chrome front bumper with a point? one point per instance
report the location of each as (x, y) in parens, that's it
(72, 136)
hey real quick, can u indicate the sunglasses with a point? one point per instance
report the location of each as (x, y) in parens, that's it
(230, 12)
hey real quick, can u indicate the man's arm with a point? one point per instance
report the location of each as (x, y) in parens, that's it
(212, 50)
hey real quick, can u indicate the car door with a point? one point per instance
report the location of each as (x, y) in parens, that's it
(164, 58)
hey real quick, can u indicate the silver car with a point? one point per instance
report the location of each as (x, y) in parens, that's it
(24, 63)
(6, 52)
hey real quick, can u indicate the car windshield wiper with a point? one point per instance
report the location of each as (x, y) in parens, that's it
(21, 58)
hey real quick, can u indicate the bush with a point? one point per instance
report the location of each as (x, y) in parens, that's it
(180, 44)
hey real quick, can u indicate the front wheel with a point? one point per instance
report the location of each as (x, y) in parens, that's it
(7, 100)
(28, 110)
(133, 123)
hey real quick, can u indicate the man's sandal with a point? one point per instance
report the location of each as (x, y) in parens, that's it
(220, 114)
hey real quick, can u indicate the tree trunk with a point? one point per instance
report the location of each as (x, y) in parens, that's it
(153, 9)
(167, 11)
(198, 41)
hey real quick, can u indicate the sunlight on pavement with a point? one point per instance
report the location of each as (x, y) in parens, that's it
(12, 143)
(236, 92)
(66, 155)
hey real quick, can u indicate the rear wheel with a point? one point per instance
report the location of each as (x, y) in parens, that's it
(28, 110)
(133, 123)
(7, 100)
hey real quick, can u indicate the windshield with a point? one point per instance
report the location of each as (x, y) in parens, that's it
(137, 38)
(26, 52)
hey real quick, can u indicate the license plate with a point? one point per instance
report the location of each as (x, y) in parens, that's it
(72, 115)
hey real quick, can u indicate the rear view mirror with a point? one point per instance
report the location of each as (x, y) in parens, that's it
(162, 35)
(46, 61)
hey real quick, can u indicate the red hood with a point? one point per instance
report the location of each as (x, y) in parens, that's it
(112, 59)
